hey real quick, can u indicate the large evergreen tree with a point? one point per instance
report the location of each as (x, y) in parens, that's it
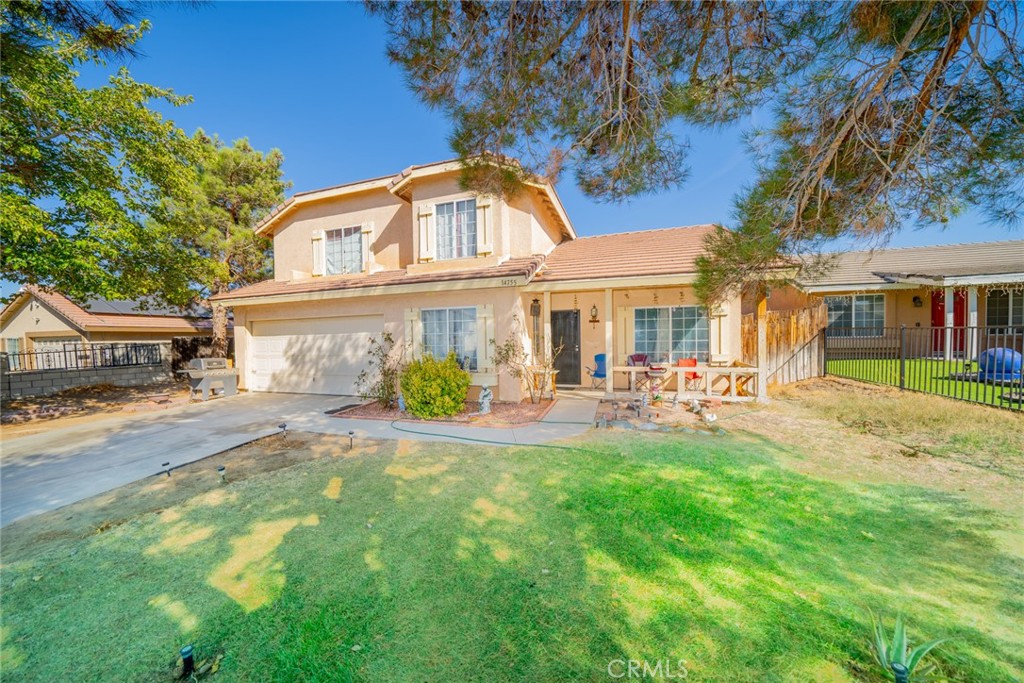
(81, 169)
(883, 113)
(237, 186)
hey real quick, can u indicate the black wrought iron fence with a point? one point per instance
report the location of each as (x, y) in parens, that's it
(976, 364)
(77, 356)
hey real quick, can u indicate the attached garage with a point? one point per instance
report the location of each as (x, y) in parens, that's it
(311, 355)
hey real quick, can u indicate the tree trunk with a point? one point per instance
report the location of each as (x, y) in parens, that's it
(220, 331)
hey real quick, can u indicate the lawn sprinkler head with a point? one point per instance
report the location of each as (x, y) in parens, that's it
(284, 429)
(221, 470)
(351, 439)
(900, 672)
(167, 468)
(188, 663)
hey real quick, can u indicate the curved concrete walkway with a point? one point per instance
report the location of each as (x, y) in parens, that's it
(48, 470)
(569, 417)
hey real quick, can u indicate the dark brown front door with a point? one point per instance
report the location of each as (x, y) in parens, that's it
(565, 333)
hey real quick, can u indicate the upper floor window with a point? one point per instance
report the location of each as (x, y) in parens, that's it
(456, 229)
(668, 334)
(448, 330)
(1004, 308)
(858, 315)
(344, 251)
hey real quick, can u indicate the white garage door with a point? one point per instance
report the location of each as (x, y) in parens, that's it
(311, 355)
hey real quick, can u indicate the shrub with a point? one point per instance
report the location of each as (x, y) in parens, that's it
(435, 388)
(381, 384)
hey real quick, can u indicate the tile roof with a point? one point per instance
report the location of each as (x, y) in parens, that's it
(948, 260)
(387, 278)
(667, 251)
(86, 320)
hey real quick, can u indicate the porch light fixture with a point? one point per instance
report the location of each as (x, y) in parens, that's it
(918, 303)
(593, 316)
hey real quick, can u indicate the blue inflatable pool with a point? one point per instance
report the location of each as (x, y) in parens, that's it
(999, 365)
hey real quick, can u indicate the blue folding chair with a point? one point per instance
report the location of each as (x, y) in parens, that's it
(599, 373)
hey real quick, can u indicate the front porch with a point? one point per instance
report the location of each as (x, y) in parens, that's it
(637, 338)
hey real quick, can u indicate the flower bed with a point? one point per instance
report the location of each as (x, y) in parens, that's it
(502, 413)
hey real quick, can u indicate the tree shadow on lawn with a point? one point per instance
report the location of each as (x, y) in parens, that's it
(432, 562)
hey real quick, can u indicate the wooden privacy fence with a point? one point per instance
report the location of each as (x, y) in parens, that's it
(796, 344)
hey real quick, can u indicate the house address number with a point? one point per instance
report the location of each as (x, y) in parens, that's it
(509, 283)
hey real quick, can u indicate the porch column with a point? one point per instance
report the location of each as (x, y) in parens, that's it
(947, 353)
(762, 346)
(547, 325)
(609, 342)
(972, 321)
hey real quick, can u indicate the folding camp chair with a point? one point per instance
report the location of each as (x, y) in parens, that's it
(599, 373)
(639, 360)
(691, 380)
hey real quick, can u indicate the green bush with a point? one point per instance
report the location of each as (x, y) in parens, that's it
(435, 388)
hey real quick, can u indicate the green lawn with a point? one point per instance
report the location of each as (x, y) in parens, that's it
(927, 375)
(420, 562)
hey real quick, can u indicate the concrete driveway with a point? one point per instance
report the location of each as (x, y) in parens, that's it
(60, 466)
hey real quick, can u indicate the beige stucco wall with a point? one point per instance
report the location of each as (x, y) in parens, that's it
(23, 325)
(505, 302)
(723, 331)
(391, 240)
(519, 228)
(35, 320)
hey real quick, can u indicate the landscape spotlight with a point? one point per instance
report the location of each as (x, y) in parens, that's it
(188, 664)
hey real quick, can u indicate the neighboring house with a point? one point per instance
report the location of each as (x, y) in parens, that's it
(443, 269)
(39, 320)
(950, 286)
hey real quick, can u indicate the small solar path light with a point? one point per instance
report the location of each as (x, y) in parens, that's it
(188, 664)
(351, 439)
(901, 673)
(167, 468)
(221, 471)
(284, 428)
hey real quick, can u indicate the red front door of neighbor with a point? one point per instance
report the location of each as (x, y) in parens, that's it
(939, 319)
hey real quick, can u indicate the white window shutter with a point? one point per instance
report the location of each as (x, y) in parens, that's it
(484, 335)
(367, 246)
(413, 332)
(484, 229)
(427, 237)
(318, 253)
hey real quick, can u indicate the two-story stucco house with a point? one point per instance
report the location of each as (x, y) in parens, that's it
(443, 269)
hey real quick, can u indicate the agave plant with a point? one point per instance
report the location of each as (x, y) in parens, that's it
(898, 651)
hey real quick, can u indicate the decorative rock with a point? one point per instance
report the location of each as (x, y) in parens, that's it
(622, 424)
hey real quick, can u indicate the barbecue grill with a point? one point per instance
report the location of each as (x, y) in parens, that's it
(208, 375)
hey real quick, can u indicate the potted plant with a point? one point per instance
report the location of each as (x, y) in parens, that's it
(657, 400)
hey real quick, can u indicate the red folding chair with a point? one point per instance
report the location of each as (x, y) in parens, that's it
(691, 380)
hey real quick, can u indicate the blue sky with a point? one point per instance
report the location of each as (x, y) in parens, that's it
(312, 79)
